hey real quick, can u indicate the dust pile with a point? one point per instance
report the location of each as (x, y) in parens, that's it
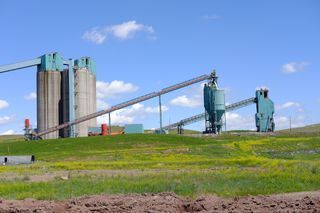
(170, 202)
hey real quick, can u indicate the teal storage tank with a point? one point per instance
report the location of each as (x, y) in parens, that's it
(214, 104)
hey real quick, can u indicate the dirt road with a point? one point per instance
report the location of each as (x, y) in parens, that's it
(169, 202)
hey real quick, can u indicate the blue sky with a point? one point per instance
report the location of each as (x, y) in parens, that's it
(143, 46)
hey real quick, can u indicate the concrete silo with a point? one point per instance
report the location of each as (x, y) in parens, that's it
(85, 93)
(49, 102)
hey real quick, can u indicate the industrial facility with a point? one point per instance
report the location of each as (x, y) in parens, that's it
(57, 101)
(215, 109)
(53, 96)
(66, 101)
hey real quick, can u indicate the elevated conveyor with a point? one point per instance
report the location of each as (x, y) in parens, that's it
(201, 116)
(123, 105)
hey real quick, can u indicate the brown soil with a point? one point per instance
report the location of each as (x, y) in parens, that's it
(169, 202)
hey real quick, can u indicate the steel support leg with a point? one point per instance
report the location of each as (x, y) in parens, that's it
(71, 98)
(109, 129)
(160, 114)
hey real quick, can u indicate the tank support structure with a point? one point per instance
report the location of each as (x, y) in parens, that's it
(214, 104)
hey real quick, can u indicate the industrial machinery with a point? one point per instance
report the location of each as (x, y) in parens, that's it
(215, 109)
(66, 100)
(265, 111)
(39, 134)
(214, 104)
(196, 118)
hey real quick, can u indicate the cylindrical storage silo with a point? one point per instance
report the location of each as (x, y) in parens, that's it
(48, 101)
(85, 93)
(214, 103)
(81, 100)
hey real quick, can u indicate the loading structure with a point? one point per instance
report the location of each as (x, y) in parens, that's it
(215, 110)
(66, 99)
(214, 104)
(65, 91)
(66, 96)
(40, 134)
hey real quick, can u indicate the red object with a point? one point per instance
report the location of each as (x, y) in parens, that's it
(27, 123)
(104, 129)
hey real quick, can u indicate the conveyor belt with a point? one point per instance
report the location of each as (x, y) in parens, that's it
(201, 116)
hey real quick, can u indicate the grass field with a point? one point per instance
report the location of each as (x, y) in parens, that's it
(314, 129)
(225, 165)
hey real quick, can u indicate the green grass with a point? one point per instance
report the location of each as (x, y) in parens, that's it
(310, 129)
(10, 138)
(226, 165)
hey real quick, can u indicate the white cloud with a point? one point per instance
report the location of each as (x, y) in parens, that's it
(95, 35)
(283, 122)
(117, 118)
(186, 101)
(101, 104)
(113, 89)
(192, 101)
(236, 121)
(156, 109)
(293, 67)
(287, 105)
(123, 31)
(130, 114)
(31, 96)
(9, 132)
(5, 119)
(3, 104)
(128, 29)
(210, 17)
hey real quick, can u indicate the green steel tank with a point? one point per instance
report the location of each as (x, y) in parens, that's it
(214, 104)
(265, 111)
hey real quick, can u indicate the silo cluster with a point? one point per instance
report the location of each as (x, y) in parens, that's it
(53, 98)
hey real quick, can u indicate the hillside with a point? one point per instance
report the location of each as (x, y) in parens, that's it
(225, 165)
(314, 128)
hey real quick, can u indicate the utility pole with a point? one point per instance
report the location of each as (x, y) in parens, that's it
(109, 123)
(290, 124)
(160, 112)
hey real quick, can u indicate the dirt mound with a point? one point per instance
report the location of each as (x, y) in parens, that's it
(169, 202)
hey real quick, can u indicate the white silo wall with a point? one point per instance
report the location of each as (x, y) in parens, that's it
(92, 99)
(81, 100)
(48, 100)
